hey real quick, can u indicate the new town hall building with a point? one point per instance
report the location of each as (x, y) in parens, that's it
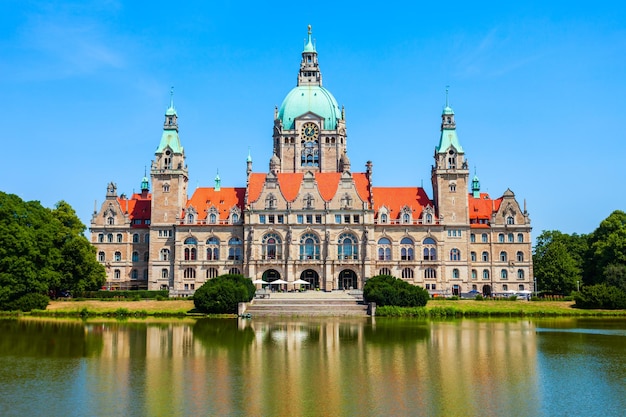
(311, 217)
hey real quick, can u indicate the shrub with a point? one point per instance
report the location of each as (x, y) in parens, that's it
(28, 302)
(386, 290)
(601, 296)
(479, 297)
(222, 295)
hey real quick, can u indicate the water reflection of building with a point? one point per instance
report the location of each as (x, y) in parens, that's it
(311, 216)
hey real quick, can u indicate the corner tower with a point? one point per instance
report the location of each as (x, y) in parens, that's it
(169, 173)
(309, 128)
(450, 173)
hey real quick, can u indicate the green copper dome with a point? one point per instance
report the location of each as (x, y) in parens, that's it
(309, 98)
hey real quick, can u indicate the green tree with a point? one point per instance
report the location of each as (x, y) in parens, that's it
(222, 295)
(607, 246)
(555, 267)
(386, 290)
(42, 250)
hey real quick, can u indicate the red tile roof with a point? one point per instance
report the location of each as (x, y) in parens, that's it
(394, 198)
(138, 208)
(481, 209)
(290, 184)
(223, 200)
(255, 186)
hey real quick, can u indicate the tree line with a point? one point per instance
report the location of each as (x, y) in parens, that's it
(43, 252)
(591, 266)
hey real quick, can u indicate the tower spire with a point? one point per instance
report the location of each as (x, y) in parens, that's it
(218, 181)
(309, 68)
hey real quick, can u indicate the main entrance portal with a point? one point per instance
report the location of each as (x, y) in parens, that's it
(312, 277)
(271, 275)
(347, 280)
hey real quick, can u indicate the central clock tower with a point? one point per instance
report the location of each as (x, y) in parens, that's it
(309, 129)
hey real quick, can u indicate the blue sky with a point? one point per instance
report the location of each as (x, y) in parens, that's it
(538, 91)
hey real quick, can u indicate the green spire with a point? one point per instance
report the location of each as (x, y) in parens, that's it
(309, 47)
(145, 185)
(171, 110)
(217, 181)
(448, 137)
(249, 158)
(475, 186)
(447, 109)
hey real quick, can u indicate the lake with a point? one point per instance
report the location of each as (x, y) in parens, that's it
(305, 367)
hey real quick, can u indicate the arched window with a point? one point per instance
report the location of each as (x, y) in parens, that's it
(164, 254)
(189, 273)
(503, 256)
(101, 238)
(146, 238)
(406, 249)
(407, 273)
(520, 256)
(406, 218)
(428, 219)
(384, 249)
(455, 254)
(234, 271)
(134, 274)
(212, 218)
(110, 237)
(520, 238)
(135, 238)
(485, 274)
(485, 256)
(455, 273)
(474, 274)
(510, 220)
(271, 247)
(110, 221)
(473, 256)
(430, 273)
(118, 256)
(117, 274)
(347, 248)
(135, 256)
(472, 238)
(510, 238)
(520, 274)
(430, 249)
(309, 246)
(165, 273)
(234, 218)
(119, 238)
(501, 237)
(213, 249)
(484, 238)
(234, 249)
(384, 271)
(190, 249)
(505, 287)
(383, 218)
(190, 218)
(211, 273)
(504, 274)
(101, 256)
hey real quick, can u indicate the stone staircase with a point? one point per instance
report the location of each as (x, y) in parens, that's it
(308, 304)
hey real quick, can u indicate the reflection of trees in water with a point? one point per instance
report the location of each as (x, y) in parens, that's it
(222, 333)
(396, 331)
(50, 339)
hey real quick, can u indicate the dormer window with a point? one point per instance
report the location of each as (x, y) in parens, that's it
(270, 202)
(510, 220)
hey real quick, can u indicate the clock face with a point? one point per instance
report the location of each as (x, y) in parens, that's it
(310, 130)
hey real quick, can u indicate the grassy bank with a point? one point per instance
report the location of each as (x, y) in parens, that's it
(490, 308)
(98, 308)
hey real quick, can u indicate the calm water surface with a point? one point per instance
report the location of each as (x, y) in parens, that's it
(330, 367)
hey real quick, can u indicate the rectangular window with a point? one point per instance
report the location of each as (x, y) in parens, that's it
(300, 219)
(434, 286)
(281, 219)
(356, 218)
(309, 218)
(346, 218)
(338, 218)
(262, 218)
(428, 286)
(318, 218)
(147, 221)
(271, 218)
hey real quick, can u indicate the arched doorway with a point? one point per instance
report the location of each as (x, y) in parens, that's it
(312, 277)
(271, 275)
(487, 290)
(347, 280)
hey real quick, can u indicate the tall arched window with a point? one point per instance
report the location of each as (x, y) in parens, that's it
(135, 238)
(190, 249)
(472, 238)
(474, 274)
(271, 247)
(309, 246)
(234, 249)
(484, 238)
(164, 255)
(430, 249)
(510, 220)
(101, 238)
(485, 274)
(165, 273)
(213, 249)
(212, 218)
(347, 248)
(485, 256)
(189, 273)
(118, 256)
(407, 273)
(504, 274)
(211, 272)
(135, 256)
(406, 218)
(117, 274)
(520, 274)
(520, 238)
(455, 273)
(384, 249)
(455, 254)
(384, 271)
(430, 273)
(134, 274)
(520, 256)
(473, 256)
(503, 256)
(406, 249)
(501, 237)
(101, 256)
(383, 218)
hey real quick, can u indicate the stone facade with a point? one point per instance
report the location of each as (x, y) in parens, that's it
(310, 217)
